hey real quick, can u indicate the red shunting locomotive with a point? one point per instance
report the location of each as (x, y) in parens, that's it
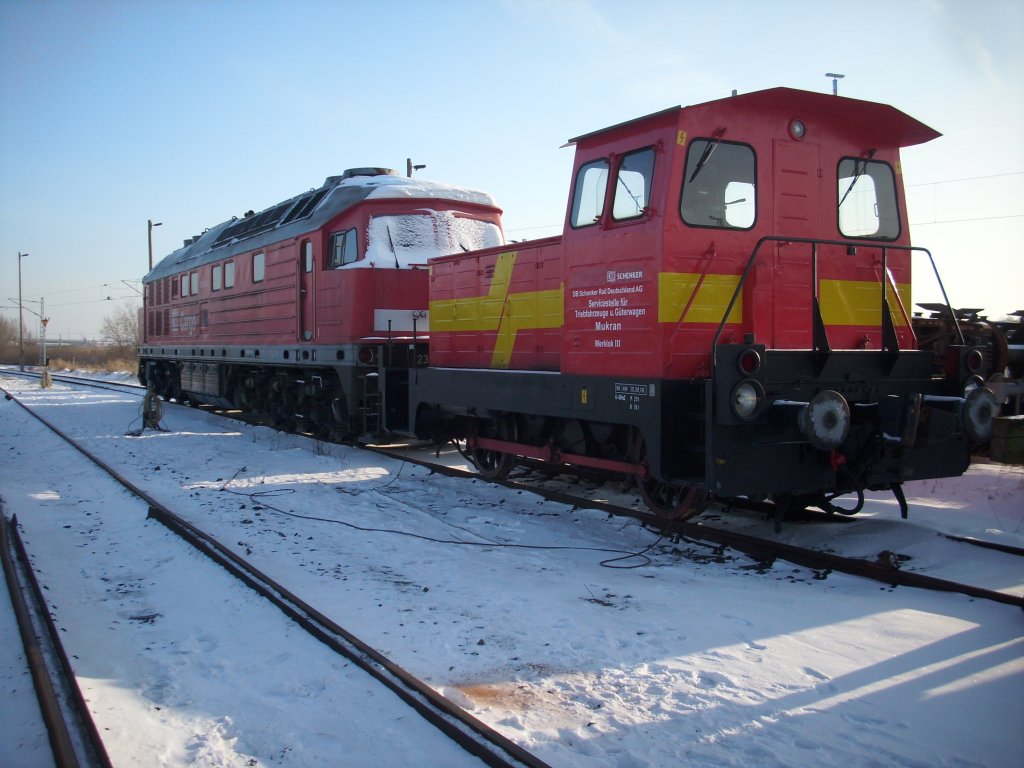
(726, 314)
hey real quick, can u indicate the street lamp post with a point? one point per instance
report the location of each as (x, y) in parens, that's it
(151, 224)
(21, 319)
(43, 321)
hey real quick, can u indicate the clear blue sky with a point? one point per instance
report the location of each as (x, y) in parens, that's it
(189, 112)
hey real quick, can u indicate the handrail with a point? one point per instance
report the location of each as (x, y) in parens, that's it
(899, 300)
(814, 243)
(710, 255)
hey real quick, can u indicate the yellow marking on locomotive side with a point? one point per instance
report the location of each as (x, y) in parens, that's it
(476, 313)
(843, 302)
(681, 138)
(676, 291)
(531, 310)
(499, 310)
(859, 302)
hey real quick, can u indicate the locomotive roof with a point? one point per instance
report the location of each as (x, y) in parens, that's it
(876, 119)
(304, 213)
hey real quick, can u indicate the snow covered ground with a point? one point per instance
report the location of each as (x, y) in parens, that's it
(512, 606)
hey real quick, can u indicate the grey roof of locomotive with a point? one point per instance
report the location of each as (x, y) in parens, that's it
(304, 213)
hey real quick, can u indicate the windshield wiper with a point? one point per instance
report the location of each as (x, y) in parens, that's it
(391, 242)
(705, 157)
(858, 171)
(634, 198)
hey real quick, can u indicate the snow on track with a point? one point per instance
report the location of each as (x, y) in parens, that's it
(685, 661)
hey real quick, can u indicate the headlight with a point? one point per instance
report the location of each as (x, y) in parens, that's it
(749, 362)
(747, 398)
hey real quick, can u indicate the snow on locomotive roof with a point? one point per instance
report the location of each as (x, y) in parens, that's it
(399, 186)
(306, 212)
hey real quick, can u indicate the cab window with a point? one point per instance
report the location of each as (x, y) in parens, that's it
(633, 185)
(719, 186)
(588, 196)
(866, 196)
(344, 248)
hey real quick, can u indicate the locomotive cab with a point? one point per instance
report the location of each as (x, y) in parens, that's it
(764, 284)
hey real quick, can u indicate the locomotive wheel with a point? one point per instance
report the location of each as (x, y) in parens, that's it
(494, 465)
(668, 501)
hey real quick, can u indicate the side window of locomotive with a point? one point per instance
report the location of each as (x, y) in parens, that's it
(229, 274)
(307, 256)
(216, 277)
(258, 267)
(719, 185)
(866, 196)
(195, 283)
(588, 197)
(344, 248)
(184, 285)
(633, 185)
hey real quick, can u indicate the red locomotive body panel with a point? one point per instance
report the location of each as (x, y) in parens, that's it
(614, 249)
(649, 263)
(498, 308)
(306, 288)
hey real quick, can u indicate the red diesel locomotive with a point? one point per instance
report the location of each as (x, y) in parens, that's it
(291, 312)
(726, 314)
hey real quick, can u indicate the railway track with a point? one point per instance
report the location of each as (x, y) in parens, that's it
(114, 386)
(74, 739)
(885, 568)
(475, 737)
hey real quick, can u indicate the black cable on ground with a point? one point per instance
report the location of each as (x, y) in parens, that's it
(257, 498)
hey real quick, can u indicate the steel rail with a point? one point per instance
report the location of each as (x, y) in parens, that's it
(113, 386)
(998, 546)
(74, 738)
(471, 734)
(883, 569)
